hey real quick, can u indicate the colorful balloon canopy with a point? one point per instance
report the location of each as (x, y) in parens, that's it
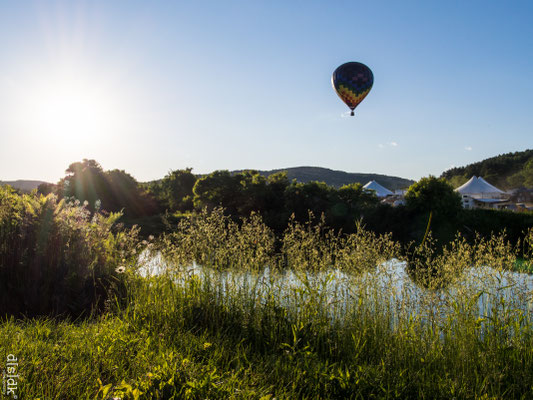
(352, 82)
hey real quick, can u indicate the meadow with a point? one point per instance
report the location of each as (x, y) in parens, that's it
(225, 309)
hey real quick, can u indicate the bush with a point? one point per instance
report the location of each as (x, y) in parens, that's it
(56, 258)
(489, 222)
(435, 195)
(214, 240)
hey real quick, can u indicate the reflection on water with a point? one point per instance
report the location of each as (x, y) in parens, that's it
(483, 291)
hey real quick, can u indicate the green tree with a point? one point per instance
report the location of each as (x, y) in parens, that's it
(275, 197)
(457, 180)
(176, 189)
(86, 182)
(435, 195)
(275, 213)
(350, 203)
(356, 197)
(527, 172)
(252, 192)
(300, 198)
(125, 194)
(523, 178)
(497, 170)
(217, 189)
(239, 194)
(46, 188)
(112, 191)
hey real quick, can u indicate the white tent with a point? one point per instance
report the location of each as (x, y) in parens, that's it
(380, 190)
(479, 188)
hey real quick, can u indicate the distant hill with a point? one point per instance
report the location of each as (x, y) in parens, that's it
(506, 171)
(338, 178)
(23, 185)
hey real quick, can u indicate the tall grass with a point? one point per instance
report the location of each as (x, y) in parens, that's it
(236, 314)
(56, 258)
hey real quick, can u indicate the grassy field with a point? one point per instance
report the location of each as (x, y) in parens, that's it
(311, 315)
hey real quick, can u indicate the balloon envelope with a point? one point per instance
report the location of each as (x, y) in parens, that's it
(352, 82)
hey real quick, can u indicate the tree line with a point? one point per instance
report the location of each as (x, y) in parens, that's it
(276, 199)
(507, 171)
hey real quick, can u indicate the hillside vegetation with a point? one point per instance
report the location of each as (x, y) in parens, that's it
(506, 171)
(301, 174)
(23, 185)
(338, 178)
(158, 205)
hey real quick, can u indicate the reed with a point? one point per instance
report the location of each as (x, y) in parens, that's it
(57, 258)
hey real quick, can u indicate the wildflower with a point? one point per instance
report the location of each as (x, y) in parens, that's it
(207, 345)
(120, 270)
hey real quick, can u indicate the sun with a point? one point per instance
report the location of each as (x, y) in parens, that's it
(75, 107)
(69, 107)
(71, 111)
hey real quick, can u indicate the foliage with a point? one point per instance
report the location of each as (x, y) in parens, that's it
(175, 190)
(276, 198)
(46, 188)
(57, 259)
(523, 178)
(338, 179)
(435, 195)
(112, 191)
(158, 205)
(302, 330)
(493, 222)
(316, 197)
(510, 170)
(213, 239)
(239, 194)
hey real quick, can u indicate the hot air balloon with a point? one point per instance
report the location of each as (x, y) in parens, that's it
(352, 82)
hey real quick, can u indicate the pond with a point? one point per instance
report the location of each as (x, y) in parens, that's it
(481, 292)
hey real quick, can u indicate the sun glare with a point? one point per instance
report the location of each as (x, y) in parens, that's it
(71, 111)
(65, 108)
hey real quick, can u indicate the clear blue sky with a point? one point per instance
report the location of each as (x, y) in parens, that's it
(153, 86)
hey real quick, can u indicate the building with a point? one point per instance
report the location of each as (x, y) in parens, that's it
(478, 193)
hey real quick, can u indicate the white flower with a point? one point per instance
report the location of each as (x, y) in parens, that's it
(120, 270)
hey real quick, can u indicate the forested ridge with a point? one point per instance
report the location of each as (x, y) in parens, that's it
(506, 171)
(338, 178)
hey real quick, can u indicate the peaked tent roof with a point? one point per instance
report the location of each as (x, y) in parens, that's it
(478, 186)
(380, 190)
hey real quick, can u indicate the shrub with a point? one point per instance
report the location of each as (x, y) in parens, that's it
(212, 239)
(215, 240)
(56, 258)
(436, 195)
